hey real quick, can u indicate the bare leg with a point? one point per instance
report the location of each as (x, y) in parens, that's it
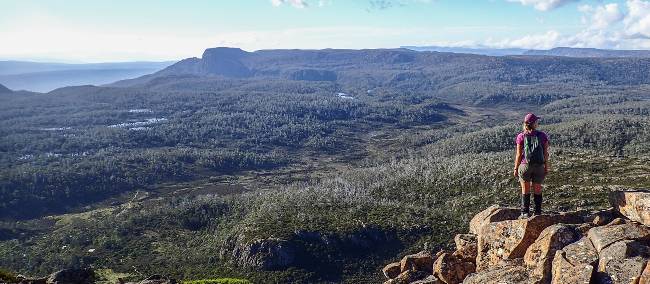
(525, 187)
(525, 199)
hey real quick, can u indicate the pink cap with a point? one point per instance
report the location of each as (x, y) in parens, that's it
(531, 118)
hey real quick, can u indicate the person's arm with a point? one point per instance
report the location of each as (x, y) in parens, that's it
(518, 152)
(547, 166)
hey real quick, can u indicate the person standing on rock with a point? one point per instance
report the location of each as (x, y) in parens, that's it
(531, 163)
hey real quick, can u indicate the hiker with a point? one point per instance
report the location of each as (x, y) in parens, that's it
(531, 164)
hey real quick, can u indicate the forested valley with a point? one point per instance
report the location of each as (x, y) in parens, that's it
(302, 165)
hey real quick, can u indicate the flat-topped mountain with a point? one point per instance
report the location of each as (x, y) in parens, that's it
(396, 66)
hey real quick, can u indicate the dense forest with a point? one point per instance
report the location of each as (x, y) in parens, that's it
(290, 165)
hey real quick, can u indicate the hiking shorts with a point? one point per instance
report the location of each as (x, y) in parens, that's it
(533, 172)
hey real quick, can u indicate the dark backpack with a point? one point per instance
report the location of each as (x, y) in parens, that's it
(533, 149)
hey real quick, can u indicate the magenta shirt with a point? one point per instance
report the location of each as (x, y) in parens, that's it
(520, 140)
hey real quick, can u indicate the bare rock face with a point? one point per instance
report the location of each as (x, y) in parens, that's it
(574, 264)
(466, 247)
(392, 270)
(72, 276)
(511, 274)
(267, 254)
(407, 277)
(429, 280)
(509, 239)
(622, 262)
(421, 261)
(492, 214)
(602, 217)
(645, 275)
(634, 205)
(451, 269)
(603, 236)
(540, 254)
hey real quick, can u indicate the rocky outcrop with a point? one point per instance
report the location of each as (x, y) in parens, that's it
(392, 270)
(509, 239)
(635, 205)
(604, 236)
(606, 246)
(466, 247)
(451, 269)
(508, 273)
(540, 254)
(266, 254)
(421, 261)
(575, 263)
(492, 214)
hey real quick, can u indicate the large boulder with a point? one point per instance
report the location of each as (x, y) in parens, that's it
(540, 254)
(466, 247)
(510, 239)
(602, 217)
(574, 264)
(493, 213)
(510, 274)
(603, 236)
(422, 261)
(429, 280)
(634, 205)
(645, 275)
(392, 270)
(451, 269)
(622, 262)
(407, 277)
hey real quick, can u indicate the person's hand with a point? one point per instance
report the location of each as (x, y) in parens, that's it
(515, 172)
(547, 168)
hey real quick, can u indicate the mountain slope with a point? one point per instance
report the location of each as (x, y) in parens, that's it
(4, 89)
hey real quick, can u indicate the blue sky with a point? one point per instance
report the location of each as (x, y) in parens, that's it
(119, 30)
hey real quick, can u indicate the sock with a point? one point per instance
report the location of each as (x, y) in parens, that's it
(525, 203)
(538, 203)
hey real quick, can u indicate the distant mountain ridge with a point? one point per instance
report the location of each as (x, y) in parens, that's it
(44, 77)
(393, 67)
(558, 51)
(589, 52)
(468, 50)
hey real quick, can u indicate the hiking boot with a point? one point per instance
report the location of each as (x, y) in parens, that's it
(537, 198)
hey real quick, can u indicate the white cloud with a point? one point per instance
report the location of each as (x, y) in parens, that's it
(540, 41)
(543, 5)
(637, 21)
(609, 25)
(295, 3)
(601, 17)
